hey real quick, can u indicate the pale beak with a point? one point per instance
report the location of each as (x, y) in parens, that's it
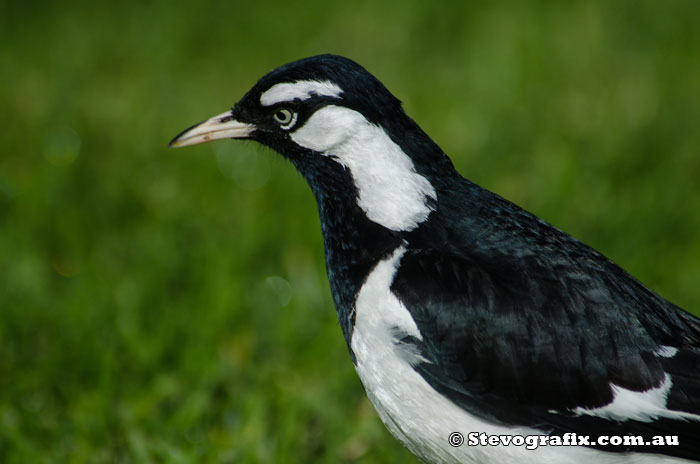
(222, 126)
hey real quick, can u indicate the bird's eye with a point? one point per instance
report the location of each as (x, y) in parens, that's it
(285, 117)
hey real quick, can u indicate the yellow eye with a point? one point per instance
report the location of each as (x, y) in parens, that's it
(285, 117)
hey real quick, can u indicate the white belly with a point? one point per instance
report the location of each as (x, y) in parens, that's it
(414, 412)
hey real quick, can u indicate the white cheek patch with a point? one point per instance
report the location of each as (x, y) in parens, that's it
(391, 192)
(300, 90)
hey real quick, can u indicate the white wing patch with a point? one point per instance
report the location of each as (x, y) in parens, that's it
(299, 90)
(391, 192)
(666, 352)
(393, 315)
(643, 406)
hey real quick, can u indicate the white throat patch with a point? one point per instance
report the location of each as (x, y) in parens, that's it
(391, 192)
(300, 90)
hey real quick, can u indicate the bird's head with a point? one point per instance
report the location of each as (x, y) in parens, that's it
(342, 129)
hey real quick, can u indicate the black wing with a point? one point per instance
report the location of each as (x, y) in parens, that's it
(524, 334)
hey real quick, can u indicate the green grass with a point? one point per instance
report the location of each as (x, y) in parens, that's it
(165, 305)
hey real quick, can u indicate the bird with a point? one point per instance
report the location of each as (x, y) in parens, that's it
(467, 317)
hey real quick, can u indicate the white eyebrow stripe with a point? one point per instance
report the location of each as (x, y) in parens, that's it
(299, 90)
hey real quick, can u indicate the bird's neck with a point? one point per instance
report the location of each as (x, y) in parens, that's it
(353, 243)
(371, 195)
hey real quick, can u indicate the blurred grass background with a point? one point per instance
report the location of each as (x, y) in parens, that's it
(165, 305)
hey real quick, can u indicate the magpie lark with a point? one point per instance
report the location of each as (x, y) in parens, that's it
(463, 312)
